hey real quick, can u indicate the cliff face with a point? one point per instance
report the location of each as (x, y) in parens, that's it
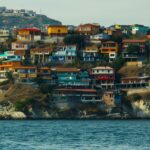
(18, 101)
(139, 100)
(20, 21)
(141, 108)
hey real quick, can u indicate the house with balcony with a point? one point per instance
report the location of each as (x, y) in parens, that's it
(70, 77)
(4, 35)
(90, 54)
(103, 77)
(25, 74)
(133, 82)
(88, 29)
(57, 30)
(138, 42)
(130, 57)
(29, 34)
(98, 38)
(6, 54)
(73, 97)
(40, 55)
(8, 66)
(44, 74)
(21, 48)
(110, 48)
(64, 54)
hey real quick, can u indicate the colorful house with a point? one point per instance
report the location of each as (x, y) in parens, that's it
(88, 29)
(70, 77)
(20, 48)
(75, 96)
(90, 54)
(57, 30)
(29, 34)
(26, 74)
(20, 45)
(64, 54)
(103, 77)
(40, 55)
(133, 82)
(44, 73)
(6, 54)
(98, 38)
(139, 30)
(109, 47)
(128, 42)
(4, 35)
(8, 66)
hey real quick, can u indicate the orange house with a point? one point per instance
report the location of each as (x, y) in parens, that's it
(109, 47)
(9, 65)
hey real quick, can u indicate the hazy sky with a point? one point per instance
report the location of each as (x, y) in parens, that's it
(105, 12)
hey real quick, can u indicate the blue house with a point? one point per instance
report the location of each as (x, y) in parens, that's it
(64, 54)
(70, 77)
(90, 54)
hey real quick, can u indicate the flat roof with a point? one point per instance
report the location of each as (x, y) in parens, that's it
(30, 29)
(77, 90)
(26, 67)
(103, 67)
(63, 69)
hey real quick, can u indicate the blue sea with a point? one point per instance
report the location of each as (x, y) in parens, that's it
(75, 135)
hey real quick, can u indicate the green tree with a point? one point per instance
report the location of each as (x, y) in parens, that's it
(118, 63)
(135, 97)
(9, 76)
(77, 39)
(133, 49)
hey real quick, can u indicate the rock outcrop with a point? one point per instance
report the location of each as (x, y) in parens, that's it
(7, 111)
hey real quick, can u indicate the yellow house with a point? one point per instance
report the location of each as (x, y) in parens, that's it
(59, 30)
(108, 31)
(92, 48)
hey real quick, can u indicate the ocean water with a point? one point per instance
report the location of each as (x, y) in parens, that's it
(75, 135)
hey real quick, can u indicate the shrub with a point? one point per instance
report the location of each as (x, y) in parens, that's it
(135, 97)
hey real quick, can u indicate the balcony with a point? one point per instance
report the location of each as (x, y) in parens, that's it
(32, 75)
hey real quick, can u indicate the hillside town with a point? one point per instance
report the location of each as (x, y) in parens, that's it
(85, 64)
(4, 11)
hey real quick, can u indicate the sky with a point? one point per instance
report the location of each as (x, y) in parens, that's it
(75, 12)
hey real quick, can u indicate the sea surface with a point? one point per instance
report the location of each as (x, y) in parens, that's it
(75, 135)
